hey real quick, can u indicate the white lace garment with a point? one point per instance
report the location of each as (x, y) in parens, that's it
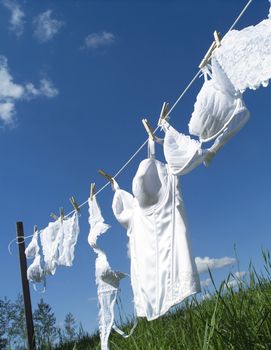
(217, 105)
(107, 280)
(245, 56)
(35, 272)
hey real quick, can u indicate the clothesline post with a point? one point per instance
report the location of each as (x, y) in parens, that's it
(25, 287)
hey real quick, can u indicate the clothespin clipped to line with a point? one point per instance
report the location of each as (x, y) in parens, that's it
(107, 176)
(164, 113)
(92, 190)
(35, 228)
(216, 43)
(148, 128)
(74, 204)
(61, 212)
(55, 217)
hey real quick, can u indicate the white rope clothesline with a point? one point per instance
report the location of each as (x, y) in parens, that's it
(146, 141)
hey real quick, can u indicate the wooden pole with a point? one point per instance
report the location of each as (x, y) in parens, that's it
(25, 287)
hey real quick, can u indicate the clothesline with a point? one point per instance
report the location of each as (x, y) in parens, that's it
(146, 141)
(168, 113)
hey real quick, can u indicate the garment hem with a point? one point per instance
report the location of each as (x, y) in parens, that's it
(177, 301)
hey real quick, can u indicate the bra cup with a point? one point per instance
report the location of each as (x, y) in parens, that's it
(148, 182)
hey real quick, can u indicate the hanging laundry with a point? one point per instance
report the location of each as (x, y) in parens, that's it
(58, 240)
(69, 235)
(107, 280)
(219, 111)
(35, 272)
(163, 270)
(182, 153)
(245, 55)
(50, 238)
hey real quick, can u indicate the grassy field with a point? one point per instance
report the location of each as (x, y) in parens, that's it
(238, 319)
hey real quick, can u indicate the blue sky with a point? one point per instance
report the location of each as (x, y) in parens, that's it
(76, 79)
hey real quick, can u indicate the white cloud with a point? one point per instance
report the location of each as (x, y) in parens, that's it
(17, 16)
(205, 283)
(238, 278)
(98, 40)
(92, 299)
(206, 296)
(46, 27)
(46, 88)
(204, 263)
(11, 92)
(7, 111)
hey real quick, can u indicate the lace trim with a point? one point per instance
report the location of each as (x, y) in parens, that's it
(245, 56)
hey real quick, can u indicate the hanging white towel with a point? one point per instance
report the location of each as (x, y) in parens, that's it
(107, 280)
(245, 56)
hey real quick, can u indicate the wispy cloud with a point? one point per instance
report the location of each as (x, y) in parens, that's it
(205, 283)
(204, 263)
(237, 279)
(46, 27)
(46, 88)
(206, 296)
(11, 92)
(99, 40)
(92, 299)
(17, 16)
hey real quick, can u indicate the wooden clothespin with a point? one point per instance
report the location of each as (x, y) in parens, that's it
(217, 38)
(215, 44)
(92, 190)
(35, 228)
(54, 216)
(61, 212)
(148, 129)
(164, 113)
(74, 204)
(107, 176)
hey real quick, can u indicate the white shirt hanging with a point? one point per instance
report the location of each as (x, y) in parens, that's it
(218, 105)
(163, 270)
(245, 56)
(107, 280)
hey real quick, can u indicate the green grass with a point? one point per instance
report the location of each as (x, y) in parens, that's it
(229, 320)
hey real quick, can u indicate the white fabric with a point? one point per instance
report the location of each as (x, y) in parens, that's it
(69, 235)
(107, 280)
(50, 238)
(181, 152)
(58, 241)
(163, 270)
(233, 127)
(218, 103)
(245, 56)
(35, 272)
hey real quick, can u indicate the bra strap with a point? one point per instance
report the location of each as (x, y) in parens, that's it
(151, 149)
(123, 334)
